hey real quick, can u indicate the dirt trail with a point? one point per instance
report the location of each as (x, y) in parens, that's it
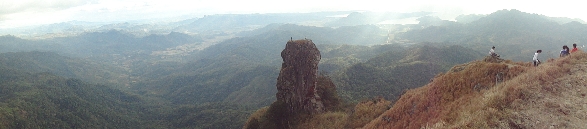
(560, 104)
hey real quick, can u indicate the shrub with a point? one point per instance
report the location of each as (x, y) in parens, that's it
(327, 92)
(328, 120)
(366, 111)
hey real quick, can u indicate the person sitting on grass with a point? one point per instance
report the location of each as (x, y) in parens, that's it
(565, 51)
(574, 48)
(492, 52)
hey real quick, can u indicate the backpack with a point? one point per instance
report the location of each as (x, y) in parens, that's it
(565, 52)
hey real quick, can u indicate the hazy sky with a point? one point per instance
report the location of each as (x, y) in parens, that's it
(14, 13)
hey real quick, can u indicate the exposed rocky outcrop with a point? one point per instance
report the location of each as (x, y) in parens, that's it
(302, 92)
(297, 81)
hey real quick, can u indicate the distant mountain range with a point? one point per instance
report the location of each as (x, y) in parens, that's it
(515, 34)
(211, 24)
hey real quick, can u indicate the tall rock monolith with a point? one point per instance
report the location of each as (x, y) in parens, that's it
(296, 84)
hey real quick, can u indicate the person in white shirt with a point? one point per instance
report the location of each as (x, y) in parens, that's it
(535, 59)
(492, 52)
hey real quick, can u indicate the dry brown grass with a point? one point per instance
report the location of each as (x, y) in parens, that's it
(508, 105)
(255, 119)
(438, 100)
(471, 95)
(365, 111)
(329, 120)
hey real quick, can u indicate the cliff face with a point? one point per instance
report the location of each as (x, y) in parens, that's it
(296, 84)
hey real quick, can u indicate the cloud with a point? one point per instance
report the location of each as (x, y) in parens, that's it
(22, 12)
(15, 6)
(13, 12)
(9, 8)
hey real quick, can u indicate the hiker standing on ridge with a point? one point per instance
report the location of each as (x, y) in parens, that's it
(492, 52)
(574, 48)
(565, 51)
(535, 59)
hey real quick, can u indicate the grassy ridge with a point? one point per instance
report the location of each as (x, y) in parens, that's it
(477, 95)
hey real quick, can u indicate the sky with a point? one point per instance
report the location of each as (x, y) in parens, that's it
(18, 13)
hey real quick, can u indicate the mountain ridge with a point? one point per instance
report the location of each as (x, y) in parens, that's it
(515, 95)
(390, 73)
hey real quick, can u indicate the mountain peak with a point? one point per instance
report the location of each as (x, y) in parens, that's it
(482, 94)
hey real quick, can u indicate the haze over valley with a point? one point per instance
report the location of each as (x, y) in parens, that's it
(220, 70)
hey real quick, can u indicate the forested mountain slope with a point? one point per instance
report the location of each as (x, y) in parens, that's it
(389, 74)
(70, 67)
(43, 100)
(33, 96)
